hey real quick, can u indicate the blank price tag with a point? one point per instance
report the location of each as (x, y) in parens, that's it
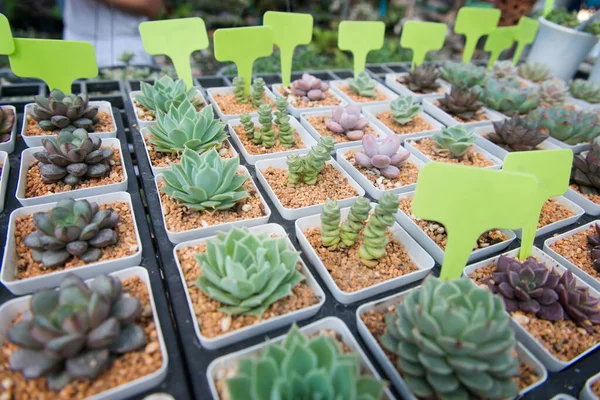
(422, 37)
(359, 38)
(499, 39)
(474, 23)
(7, 45)
(524, 34)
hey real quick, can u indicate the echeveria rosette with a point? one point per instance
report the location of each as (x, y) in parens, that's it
(166, 92)
(503, 96)
(586, 170)
(374, 235)
(330, 224)
(578, 303)
(347, 120)
(553, 93)
(310, 88)
(64, 111)
(462, 102)
(503, 70)
(593, 244)
(351, 227)
(386, 157)
(585, 90)
(363, 85)
(463, 75)
(567, 125)
(422, 79)
(246, 271)
(404, 109)
(535, 71)
(455, 141)
(7, 119)
(518, 133)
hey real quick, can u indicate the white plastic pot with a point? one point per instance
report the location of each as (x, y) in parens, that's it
(587, 393)
(27, 159)
(263, 326)
(295, 213)
(3, 177)
(371, 113)
(296, 111)
(589, 206)
(15, 307)
(576, 148)
(212, 92)
(52, 279)
(142, 124)
(9, 146)
(392, 81)
(449, 120)
(390, 95)
(563, 201)
(498, 151)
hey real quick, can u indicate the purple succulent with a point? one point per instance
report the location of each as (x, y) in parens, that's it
(347, 120)
(387, 157)
(577, 302)
(310, 88)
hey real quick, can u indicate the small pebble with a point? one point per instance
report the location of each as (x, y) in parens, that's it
(151, 347)
(226, 324)
(246, 207)
(521, 319)
(7, 383)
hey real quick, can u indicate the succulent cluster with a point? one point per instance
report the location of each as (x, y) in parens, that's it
(567, 125)
(562, 16)
(508, 97)
(386, 157)
(404, 109)
(374, 235)
(258, 91)
(64, 111)
(307, 168)
(166, 92)
(579, 305)
(553, 93)
(593, 241)
(463, 103)
(74, 332)
(423, 79)
(266, 135)
(535, 71)
(463, 75)
(348, 121)
(303, 368)
(584, 90)
(453, 340)
(586, 171)
(7, 119)
(503, 70)
(239, 90)
(363, 85)
(205, 181)
(310, 88)
(455, 141)
(247, 272)
(73, 156)
(518, 133)
(351, 227)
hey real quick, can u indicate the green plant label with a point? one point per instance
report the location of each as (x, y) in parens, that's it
(552, 168)
(499, 39)
(422, 37)
(289, 30)
(524, 35)
(469, 201)
(178, 39)
(474, 23)
(359, 38)
(7, 45)
(548, 6)
(243, 46)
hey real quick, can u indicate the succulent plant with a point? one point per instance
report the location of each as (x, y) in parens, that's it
(183, 127)
(503, 70)
(205, 181)
(247, 272)
(509, 99)
(347, 120)
(239, 90)
(265, 119)
(404, 109)
(586, 171)
(246, 121)
(71, 333)
(295, 165)
(165, 93)
(568, 126)
(330, 224)
(7, 119)
(307, 168)
(454, 141)
(578, 303)
(351, 227)
(453, 341)
(461, 103)
(423, 79)
(593, 241)
(363, 85)
(286, 131)
(374, 235)
(310, 88)
(386, 157)
(258, 91)
(463, 75)
(281, 104)
(585, 90)
(64, 111)
(535, 71)
(516, 134)
(72, 156)
(553, 93)
(303, 368)
(562, 16)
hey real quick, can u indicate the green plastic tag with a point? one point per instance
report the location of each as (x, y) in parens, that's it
(499, 39)
(7, 45)
(243, 46)
(548, 6)
(469, 201)
(524, 34)
(37, 58)
(422, 37)
(359, 38)
(289, 31)
(552, 168)
(178, 39)
(474, 23)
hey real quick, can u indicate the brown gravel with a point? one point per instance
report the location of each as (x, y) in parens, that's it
(479, 115)
(381, 96)
(553, 211)
(160, 159)
(564, 339)
(180, 219)
(574, 248)
(331, 99)
(105, 124)
(417, 125)
(258, 149)
(214, 323)
(471, 158)
(35, 186)
(596, 387)
(125, 368)
(331, 185)
(400, 80)
(146, 115)
(229, 106)
(437, 232)
(409, 173)
(318, 122)
(592, 197)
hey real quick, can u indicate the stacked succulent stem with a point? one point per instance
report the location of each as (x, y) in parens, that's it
(258, 89)
(246, 121)
(374, 234)
(265, 118)
(239, 90)
(359, 212)
(307, 168)
(286, 132)
(330, 224)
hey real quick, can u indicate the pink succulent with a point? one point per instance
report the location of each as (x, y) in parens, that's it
(310, 88)
(387, 157)
(347, 120)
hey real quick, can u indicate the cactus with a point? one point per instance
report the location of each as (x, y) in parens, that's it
(239, 90)
(265, 118)
(374, 235)
(246, 121)
(309, 167)
(258, 89)
(454, 141)
(281, 104)
(347, 120)
(330, 224)
(404, 109)
(286, 132)
(363, 85)
(553, 93)
(359, 212)
(535, 72)
(386, 158)
(585, 90)
(310, 88)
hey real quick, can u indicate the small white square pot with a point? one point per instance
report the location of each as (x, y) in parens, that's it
(388, 366)
(580, 104)
(436, 251)
(13, 308)
(251, 159)
(178, 237)
(27, 159)
(593, 282)
(587, 393)
(371, 113)
(576, 148)
(52, 279)
(589, 206)
(335, 86)
(449, 120)
(408, 144)
(35, 141)
(317, 136)
(375, 192)
(142, 124)
(296, 111)
(9, 146)
(498, 151)
(265, 325)
(548, 359)
(329, 323)
(3, 177)
(212, 92)
(418, 256)
(563, 201)
(392, 81)
(295, 213)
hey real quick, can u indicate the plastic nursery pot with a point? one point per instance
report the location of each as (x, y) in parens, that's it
(363, 181)
(263, 326)
(10, 310)
(213, 92)
(35, 141)
(9, 146)
(550, 361)
(388, 366)
(430, 108)
(211, 230)
(562, 49)
(296, 111)
(563, 201)
(588, 205)
(307, 140)
(389, 94)
(587, 393)
(371, 113)
(5, 168)
(418, 256)
(27, 160)
(229, 361)
(141, 123)
(576, 148)
(392, 81)
(295, 213)
(51, 279)
(434, 249)
(498, 151)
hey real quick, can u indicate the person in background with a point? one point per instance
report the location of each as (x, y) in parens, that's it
(111, 26)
